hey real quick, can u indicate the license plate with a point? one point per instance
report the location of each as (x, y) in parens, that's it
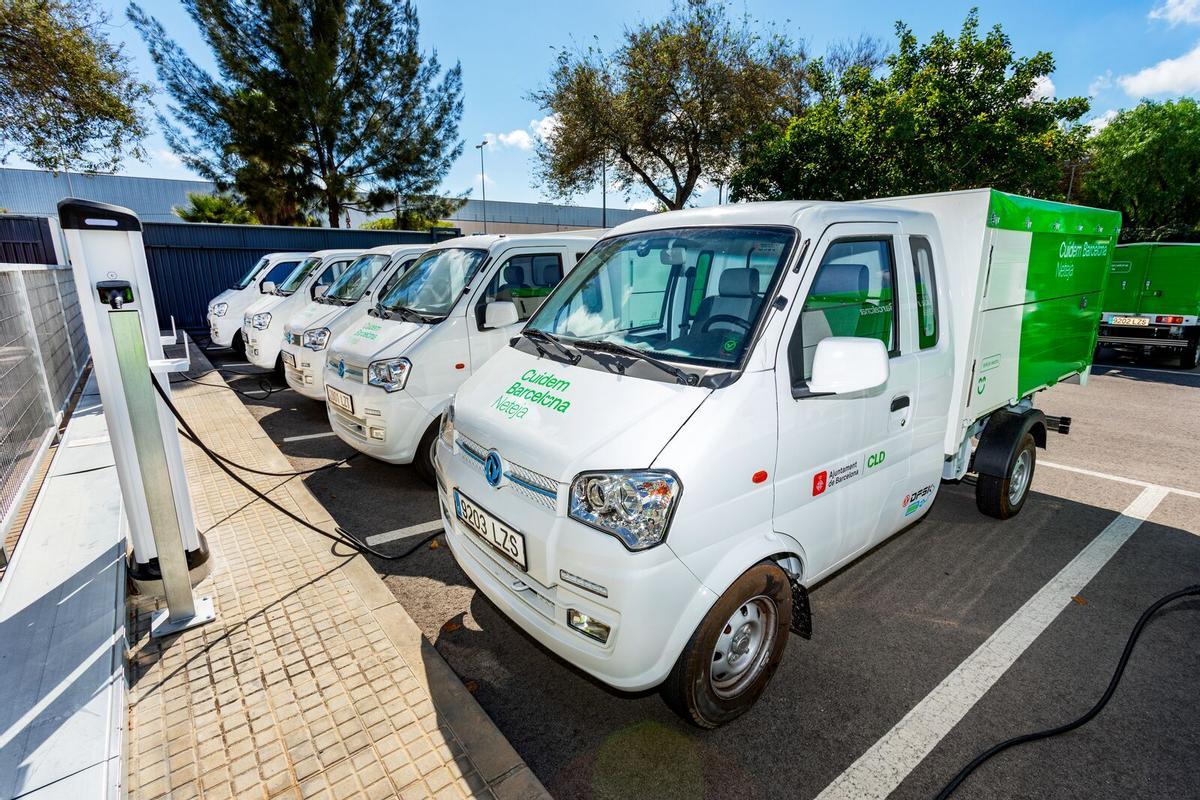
(494, 532)
(1135, 321)
(288, 358)
(340, 399)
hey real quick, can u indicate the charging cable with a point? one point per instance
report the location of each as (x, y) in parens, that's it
(950, 787)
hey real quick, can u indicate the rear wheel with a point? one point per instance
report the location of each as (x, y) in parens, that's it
(1003, 498)
(426, 451)
(734, 652)
(1191, 354)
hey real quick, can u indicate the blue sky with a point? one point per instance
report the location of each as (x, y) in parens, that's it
(1115, 51)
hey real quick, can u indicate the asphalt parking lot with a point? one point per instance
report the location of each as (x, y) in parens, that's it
(927, 650)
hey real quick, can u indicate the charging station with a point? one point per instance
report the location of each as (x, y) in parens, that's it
(169, 555)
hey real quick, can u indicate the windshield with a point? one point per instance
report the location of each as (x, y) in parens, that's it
(252, 273)
(357, 277)
(685, 294)
(298, 275)
(433, 284)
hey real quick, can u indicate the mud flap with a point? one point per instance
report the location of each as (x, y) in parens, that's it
(801, 611)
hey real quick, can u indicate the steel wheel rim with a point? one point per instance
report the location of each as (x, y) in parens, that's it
(1018, 481)
(743, 647)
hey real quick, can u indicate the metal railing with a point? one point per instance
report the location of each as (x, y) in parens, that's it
(42, 353)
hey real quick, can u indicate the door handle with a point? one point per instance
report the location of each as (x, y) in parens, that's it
(900, 402)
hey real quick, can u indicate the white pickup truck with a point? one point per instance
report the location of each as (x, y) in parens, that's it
(720, 407)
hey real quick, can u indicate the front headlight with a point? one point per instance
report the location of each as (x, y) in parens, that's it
(391, 374)
(315, 339)
(446, 431)
(261, 321)
(220, 309)
(635, 506)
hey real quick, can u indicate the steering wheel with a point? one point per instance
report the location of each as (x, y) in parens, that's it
(741, 323)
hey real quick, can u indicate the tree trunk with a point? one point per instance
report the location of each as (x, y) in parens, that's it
(332, 203)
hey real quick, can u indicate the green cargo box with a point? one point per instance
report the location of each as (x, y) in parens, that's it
(1152, 300)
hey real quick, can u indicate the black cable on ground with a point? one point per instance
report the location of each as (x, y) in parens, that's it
(341, 537)
(265, 387)
(191, 437)
(950, 787)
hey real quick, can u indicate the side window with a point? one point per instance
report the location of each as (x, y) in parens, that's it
(395, 277)
(526, 280)
(923, 278)
(280, 271)
(852, 294)
(647, 278)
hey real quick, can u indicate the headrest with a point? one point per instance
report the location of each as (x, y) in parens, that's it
(854, 279)
(549, 273)
(741, 282)
(514, 274)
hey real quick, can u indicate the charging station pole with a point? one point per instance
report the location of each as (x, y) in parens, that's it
(112, 280)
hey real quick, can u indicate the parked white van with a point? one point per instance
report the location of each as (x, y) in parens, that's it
(388, 381)
(720, 407)
(226, 309)
(307, 334)
(264, 320)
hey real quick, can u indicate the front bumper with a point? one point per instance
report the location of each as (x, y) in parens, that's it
(384, 425)
(653, 601)
(262, 347)
(1144, 336)
(221, 330)
(308, 376)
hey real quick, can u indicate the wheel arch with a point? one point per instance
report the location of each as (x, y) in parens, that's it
(1002, 436)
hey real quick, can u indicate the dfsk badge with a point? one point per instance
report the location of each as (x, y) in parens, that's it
(493, 469)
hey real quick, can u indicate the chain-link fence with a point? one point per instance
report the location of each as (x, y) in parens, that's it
(42, 352)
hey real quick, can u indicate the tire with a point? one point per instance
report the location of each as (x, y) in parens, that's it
(1191, 354)
(423, 460)
(280, 375)
(1003, 498)
(697, 689)
(238, 345)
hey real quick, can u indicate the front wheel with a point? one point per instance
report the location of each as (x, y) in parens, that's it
(1003, 498)
(734, 652)
(238, 345)
(426, 453)
(1191, 354)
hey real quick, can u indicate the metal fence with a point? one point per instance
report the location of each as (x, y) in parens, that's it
(43, 350)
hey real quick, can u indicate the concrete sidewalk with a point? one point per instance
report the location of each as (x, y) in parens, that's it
(314, 681)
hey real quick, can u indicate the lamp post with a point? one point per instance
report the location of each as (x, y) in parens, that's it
(483, 181)
(604, 192)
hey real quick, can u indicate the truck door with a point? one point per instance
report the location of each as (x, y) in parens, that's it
(1126, 275)
(1172, 285)
(843, 459)
(523, 277)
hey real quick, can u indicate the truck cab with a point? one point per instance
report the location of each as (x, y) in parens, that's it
(721, 407)
(388, 380)
(264, 320)
(226, 309)
(307, 334)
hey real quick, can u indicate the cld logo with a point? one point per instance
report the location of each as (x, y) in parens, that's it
(819, 481)
(875, 459)
(981, 384)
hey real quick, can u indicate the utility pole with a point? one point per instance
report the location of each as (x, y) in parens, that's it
(604, 192)
(483, 181)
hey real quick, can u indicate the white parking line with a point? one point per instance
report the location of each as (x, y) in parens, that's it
(404, 533)
(308, 436)
(1118, 478)
(881, 769)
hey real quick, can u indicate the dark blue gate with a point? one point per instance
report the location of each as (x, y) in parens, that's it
(192, 263)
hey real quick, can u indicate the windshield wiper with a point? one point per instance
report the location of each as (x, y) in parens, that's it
(404, 312)
(605, 345)
(535, 335)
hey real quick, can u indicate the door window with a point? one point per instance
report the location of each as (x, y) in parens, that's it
(278, 273)
(853, 294)
(525, 280)
(923, 279)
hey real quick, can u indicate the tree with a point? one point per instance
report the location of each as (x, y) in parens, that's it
(215, 208)
(316, 101)
(954, 113)
(418, 213)
(1146, 164)
(68, 99)
(669, 106)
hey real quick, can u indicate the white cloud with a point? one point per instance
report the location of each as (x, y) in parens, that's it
(479, 175)
(1101, 83)
(1177, 11)
(1043, 88)
(545, 127)
(1171, 76)
(1101, 121)
(525, 138)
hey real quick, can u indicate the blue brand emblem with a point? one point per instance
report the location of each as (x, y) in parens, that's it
(493, 470)
(341, 367)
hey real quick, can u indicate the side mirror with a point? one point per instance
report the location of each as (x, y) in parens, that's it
(500, 314)
(848, 364)
(267, 287)
(319, 290)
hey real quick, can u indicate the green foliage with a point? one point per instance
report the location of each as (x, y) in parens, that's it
(1146, 164)
(954, 113)
(668, 106)
(419, 213)
(68, 99)
(327, 103)
(215, 208)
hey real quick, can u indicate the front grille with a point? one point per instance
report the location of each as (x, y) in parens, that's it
(293, 338)
(533, 486)
(351, 372)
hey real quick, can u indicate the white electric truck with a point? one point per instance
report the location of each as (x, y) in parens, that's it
(720, 407)
(388, 380)
(307, 334)
(226, 309)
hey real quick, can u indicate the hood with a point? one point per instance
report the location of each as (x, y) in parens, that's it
(268, 302)
(374, 338)
(560, 420)
(223, 297)
(313, 315)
